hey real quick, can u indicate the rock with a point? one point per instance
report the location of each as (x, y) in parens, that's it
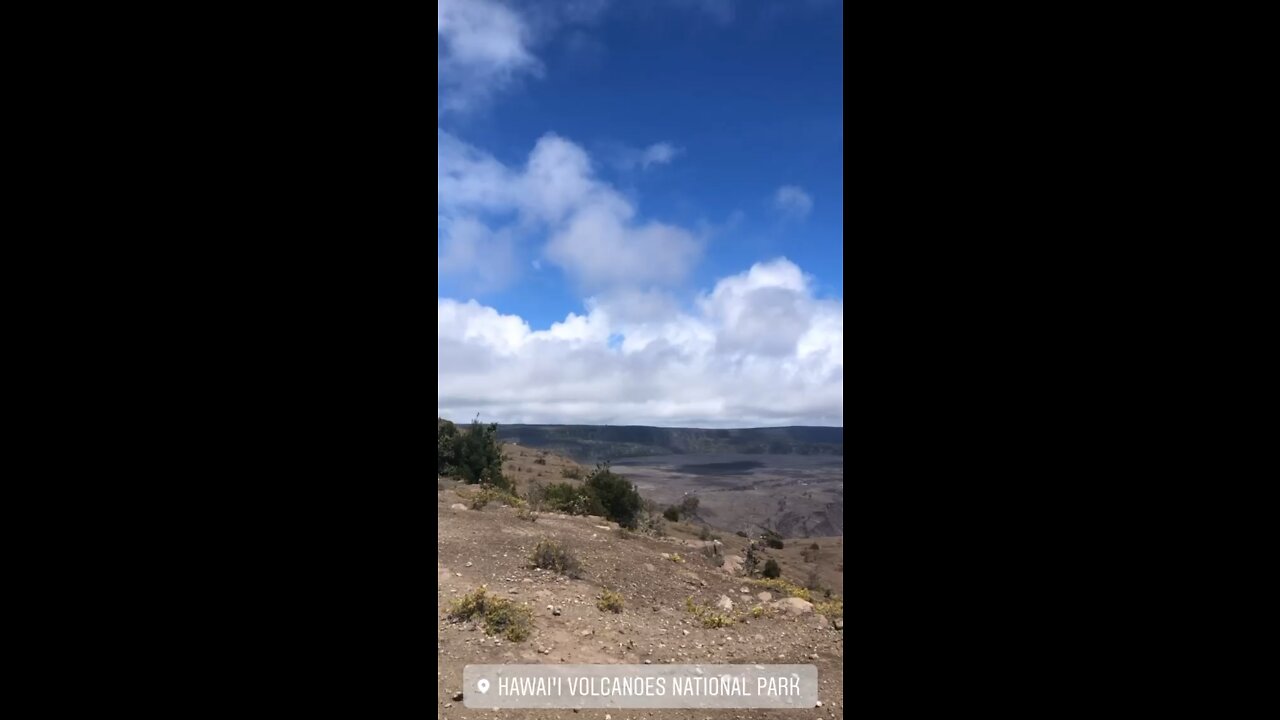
(646, 662)
(556, 611)
(764, 596)
(468, 564)
(793, 606)
(820, 622)
(686, 632)
(743, 590)
(457, 697)
(585, 633)
(818, 705)
(839, 623)
(724, 603)
(650, 567)
(457, 506)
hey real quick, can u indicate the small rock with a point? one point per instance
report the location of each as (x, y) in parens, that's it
(686, 632)
(555, 611)
(744, 591)
(724, 603)
(818, 705)
(448, 705)
(457, 697)
(646, 662)
(839, 623)
(765, 596)
(468, 564)
(585, 633)
(457, 506)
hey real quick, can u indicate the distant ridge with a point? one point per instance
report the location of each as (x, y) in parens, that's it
(589, 443)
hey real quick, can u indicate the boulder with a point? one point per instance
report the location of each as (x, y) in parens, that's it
(457, 506)
(724, 603)
(793, 606)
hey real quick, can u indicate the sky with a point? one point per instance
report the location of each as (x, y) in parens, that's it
(640, 212)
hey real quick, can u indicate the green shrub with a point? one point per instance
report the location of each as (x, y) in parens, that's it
(610, 601)
(572, 499)
(771, 569)
(707, 616)
(833, 609)
(551, 555)
(499, 615)
(488, 494)
(474, 455)
(527, 513)
(572, 471)
(773, 539)
(621, 502)
(671, 514)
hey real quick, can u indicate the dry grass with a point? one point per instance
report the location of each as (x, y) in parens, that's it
(610, 601)
(551, 555)
(498, 615)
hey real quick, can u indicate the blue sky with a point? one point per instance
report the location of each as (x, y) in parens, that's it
(665, 175)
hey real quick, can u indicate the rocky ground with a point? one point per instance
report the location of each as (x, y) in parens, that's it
(491, 546)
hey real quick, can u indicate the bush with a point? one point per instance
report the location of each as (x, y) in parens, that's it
(474, 455)
(572, 471)
(833, 609)
(499, 616)
(707, 616)
(489, 494)
(705, 533)
(785, 588)
(675, 558)
(540, 460)
(771, 569)
(671, 514)
(773, 539)
(689, 505)
(551, 555)
(610, 601)
(618, 496)
(810, 554)
(741, 533)
(712, 553)
(572, 499)
(526, 513)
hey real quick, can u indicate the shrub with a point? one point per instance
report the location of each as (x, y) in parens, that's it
(675, 558)
(474, 455)
(707, 616)
(489, 494)
(833, 609)
(446, 448)
(712, 553)
(705, 533)
(540, 460)
(810, 554)
(671, 514)
(689, 505)
(551, 555)
(758, 612)
(498, 615)
(572, 471)
(785, 588)
(618, 496)
(741, 533)
(526, 513)
(812, 582)
(610, 601)
(771, 569)
(572, 499)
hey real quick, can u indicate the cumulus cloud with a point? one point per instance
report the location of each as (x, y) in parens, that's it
(482, 46)
(793, 201)
(759, 348)
(591, 228)
(468, 248)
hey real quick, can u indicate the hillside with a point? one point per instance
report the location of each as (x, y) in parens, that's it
(658, 580)
(591, 443)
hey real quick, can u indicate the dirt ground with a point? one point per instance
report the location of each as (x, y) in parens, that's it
(491, 547)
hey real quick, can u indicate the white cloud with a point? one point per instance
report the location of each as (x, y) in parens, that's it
(793, 201)
(636, 356)
(482, 47)
(659, 154)
(592, 231)
(469, 248)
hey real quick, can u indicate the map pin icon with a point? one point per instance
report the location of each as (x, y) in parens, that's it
(482, 685)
